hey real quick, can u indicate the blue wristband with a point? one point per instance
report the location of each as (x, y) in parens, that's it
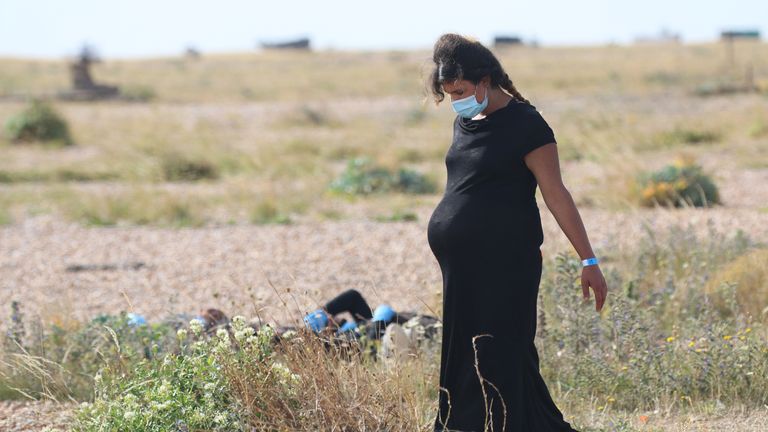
(588, 262)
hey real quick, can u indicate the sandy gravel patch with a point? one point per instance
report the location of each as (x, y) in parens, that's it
(240, 268)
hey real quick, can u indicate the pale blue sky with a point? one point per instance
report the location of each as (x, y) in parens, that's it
(56, 28)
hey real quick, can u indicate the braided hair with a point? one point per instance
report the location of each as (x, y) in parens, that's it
(457, 57)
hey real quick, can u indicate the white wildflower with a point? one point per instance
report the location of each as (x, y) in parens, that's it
(238, 322)
(129, 415)
(198, 415)
(242, 334)
(181, 334)
(164, 389)
(129, 399)
(199, 345)
(266, 331)
(196, 327)
(284, 373)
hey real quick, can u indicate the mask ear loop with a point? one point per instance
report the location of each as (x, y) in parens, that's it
(484, 97)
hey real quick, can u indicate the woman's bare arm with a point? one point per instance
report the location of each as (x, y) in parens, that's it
(545, 165)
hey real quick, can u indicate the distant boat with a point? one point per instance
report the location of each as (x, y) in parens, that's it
(302, 43)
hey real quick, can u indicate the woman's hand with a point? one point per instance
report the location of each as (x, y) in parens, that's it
(591, 276)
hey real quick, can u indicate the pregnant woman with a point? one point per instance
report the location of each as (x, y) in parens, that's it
(486, 235)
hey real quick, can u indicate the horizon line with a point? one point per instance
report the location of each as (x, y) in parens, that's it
(261, 50)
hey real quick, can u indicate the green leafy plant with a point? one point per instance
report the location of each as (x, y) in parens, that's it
(186, 390)
(682, 183)
(38, 122)
(362, 176)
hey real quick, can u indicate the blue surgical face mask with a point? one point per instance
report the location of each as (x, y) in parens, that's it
(469, 106)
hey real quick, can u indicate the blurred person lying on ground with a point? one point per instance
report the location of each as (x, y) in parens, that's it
(404, 329)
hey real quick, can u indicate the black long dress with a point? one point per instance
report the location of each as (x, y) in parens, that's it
(486, 235)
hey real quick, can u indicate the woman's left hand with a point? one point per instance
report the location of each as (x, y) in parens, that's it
(591, 276)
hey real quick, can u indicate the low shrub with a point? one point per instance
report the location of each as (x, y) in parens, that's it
(677, 185)
(362, 176)
(184, 391)
(723, 87)
(398, 216)
(38, 122)
(680, 135)
(142, 206)
(749, 274)
(267, 212)
(138, 93)
(56, 175)
(179, 168)
(60, 361)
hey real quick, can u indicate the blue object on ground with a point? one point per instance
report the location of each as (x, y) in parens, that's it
(383, 313)
(316, 320)
(348, 326)
(135, 320)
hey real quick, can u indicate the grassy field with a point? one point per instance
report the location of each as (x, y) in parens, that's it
(242, 140)
(272, 130)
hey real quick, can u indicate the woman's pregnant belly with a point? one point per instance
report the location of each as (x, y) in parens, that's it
(475, 224)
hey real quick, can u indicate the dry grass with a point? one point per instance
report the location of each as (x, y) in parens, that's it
(618, 111)
(750, 274)
(338, 389)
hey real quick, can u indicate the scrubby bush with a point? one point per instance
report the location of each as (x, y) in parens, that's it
(306, 116)
(361, 176)
(179, 168)
(267, 212)
(184, 391)
(722, 87)
(677, 185)
(138, 93)
(749, 273)
(59, 360)
(140, 206)
(398, 216)
(680, 135)
(38, 122)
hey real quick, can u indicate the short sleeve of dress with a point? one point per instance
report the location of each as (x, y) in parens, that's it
(536, 132)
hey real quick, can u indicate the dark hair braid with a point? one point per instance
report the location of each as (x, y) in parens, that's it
(507, 85)
(457, 57)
